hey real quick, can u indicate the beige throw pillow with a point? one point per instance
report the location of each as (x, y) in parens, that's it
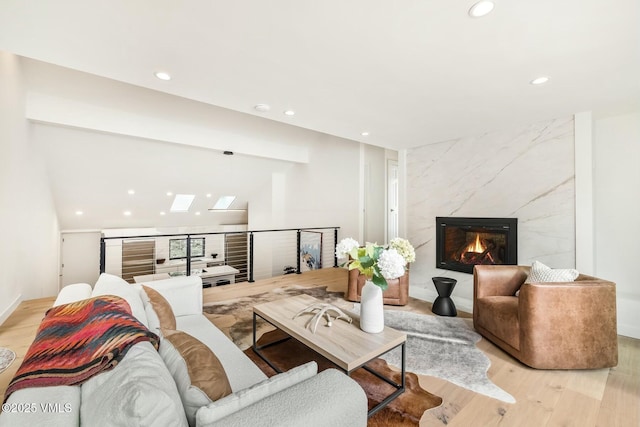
(162, 308)
(198, 373)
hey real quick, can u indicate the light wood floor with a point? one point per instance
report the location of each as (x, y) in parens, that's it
(603, 398)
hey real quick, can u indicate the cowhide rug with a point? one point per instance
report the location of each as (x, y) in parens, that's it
(443, 347)
(405, 410)
(235, 316)
(7, 357)
(235, 319)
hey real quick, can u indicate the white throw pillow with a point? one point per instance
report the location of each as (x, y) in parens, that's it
(108, 284)
(139, 391)
(540, 273)
(208, 415)
(183, 293)
(73, 293)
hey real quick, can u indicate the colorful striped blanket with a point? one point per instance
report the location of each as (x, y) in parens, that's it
(78, 340)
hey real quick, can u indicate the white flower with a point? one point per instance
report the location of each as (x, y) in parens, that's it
(345, 246)
(391, 264)
(404, 248)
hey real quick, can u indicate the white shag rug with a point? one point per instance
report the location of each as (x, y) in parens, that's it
(443, 347)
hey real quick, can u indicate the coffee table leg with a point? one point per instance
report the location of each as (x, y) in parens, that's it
(400, 388)
(257, 348)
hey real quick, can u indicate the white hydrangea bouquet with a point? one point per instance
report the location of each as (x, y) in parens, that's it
(376, 262)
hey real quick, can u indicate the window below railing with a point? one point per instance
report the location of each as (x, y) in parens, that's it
(219, 257)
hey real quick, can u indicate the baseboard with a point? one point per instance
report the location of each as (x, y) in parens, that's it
(627, 330)
(628, 306)
(6, 313)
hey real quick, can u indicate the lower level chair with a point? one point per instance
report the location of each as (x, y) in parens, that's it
(397, 292)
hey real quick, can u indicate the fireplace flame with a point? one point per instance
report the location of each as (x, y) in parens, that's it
(476, 246)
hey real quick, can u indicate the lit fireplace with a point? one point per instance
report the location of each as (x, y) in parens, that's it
(462, 243)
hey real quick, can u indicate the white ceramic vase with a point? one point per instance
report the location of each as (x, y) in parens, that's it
(371, 308)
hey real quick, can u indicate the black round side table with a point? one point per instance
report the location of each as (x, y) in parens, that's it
(443, 305)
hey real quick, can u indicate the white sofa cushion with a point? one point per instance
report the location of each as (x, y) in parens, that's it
(108, 284)
(139, 391)
(219, 409)
(55, 406)
(73, 293)
(184, 293)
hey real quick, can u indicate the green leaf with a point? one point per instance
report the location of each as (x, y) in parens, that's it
(366, 261)
(380, 281)
(378, 250)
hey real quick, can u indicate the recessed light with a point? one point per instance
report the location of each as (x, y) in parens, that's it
(163, 213)
(126, 213)
(197, 213)
(132, 192)
(365, 133)
(262, 108)
(290, 113)
(540, 80)
(163, 75)
(209, 195)
(169, 193)
(79, 213)
(481, 9)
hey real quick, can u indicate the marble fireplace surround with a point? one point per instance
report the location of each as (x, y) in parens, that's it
(526, 173)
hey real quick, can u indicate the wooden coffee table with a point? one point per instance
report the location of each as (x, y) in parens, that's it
(344, 344)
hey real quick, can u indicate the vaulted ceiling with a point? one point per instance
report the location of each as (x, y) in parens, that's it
(407, 72)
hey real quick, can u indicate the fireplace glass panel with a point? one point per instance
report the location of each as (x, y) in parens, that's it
(465, 242)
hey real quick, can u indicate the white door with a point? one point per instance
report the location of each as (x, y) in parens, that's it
(80, 258)
(392, 199)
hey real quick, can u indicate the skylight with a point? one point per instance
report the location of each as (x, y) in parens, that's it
(224, 202)
(182, 202)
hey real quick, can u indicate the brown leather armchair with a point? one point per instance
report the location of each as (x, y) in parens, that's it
(397, 292)
(569, 325)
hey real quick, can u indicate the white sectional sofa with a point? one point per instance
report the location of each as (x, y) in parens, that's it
(153, 388)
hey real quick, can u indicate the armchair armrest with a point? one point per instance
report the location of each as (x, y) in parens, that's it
(569, 321)
(498, 280)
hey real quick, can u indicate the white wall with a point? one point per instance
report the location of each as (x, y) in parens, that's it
(322, 193)
(99, 135)
(71, 98)
(617, 204)
(525, 173)
(374, 194)
(28, 223)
